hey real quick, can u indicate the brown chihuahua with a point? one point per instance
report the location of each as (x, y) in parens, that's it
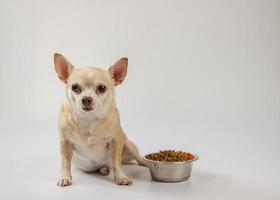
(89, 124)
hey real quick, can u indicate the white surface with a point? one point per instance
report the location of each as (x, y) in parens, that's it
(227, 169)
(203, 76)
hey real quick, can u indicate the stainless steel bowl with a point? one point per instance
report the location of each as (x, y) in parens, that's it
(170, 171)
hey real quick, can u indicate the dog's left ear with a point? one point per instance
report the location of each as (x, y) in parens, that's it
(63, 67)
(118, 70)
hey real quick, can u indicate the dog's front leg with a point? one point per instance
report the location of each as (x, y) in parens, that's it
(116, 151)
(66, 155)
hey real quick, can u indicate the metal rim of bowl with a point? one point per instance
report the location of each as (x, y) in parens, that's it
(177, 162)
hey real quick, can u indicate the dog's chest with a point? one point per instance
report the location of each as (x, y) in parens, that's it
(91, 149)
(91, 155)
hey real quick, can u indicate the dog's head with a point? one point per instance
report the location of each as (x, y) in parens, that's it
(90, 90)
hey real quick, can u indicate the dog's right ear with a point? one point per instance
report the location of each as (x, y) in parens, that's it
(63, 67)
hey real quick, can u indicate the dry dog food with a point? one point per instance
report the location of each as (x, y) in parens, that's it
(170, 156)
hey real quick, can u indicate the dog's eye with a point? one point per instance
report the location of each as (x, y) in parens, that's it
(76, 88)
(101, 88)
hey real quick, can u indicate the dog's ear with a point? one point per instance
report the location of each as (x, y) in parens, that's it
(118, 70)
(63, 67)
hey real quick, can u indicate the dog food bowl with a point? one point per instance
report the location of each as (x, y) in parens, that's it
(170, 171)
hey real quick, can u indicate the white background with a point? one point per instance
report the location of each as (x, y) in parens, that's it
(203, 76)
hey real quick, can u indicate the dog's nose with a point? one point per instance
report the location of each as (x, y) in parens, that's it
(86, 101)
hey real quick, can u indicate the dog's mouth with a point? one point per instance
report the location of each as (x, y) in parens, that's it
(87, 109)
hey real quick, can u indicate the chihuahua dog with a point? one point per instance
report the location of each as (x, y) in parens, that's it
(91, 136)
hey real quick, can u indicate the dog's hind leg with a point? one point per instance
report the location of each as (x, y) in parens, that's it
(104, 170)
(131, 152)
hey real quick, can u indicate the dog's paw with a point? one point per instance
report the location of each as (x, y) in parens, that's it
(142, 162)
(122, 180)
(105, 170)
(64, 181)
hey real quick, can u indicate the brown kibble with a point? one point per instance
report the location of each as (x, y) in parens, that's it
(170, 156)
